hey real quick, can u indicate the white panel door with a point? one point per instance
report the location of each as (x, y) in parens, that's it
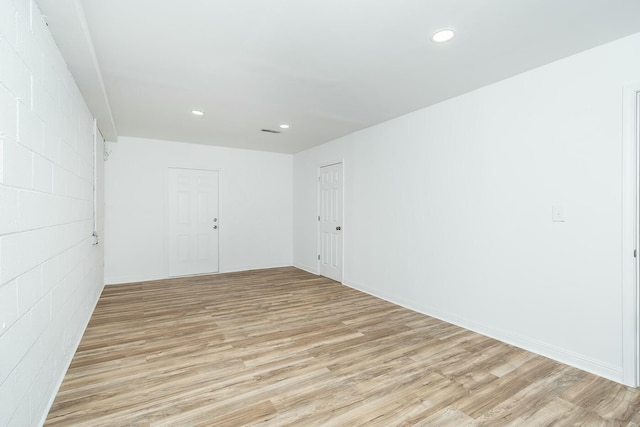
(192, 222)
(331, 221)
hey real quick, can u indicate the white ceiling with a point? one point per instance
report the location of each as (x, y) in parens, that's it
(326, 67)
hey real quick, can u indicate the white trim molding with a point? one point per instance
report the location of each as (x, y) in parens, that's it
(630, 215)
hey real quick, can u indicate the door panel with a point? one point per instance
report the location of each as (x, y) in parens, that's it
(192, 222)
(331, 221)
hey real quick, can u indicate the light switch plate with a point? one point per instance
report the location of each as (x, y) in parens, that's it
(558, 213)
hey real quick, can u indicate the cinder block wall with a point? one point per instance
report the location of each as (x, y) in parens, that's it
(50, 273)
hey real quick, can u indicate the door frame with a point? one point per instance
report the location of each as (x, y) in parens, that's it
(166, 218)
(318, 210)
(631, 235)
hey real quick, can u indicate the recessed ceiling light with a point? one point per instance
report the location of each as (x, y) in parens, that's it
(284, 126)
(197, 113)
(443, 36)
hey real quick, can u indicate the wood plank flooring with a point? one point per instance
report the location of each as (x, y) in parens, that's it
(282, 347)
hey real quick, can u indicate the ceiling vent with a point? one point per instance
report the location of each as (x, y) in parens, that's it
(270, 131)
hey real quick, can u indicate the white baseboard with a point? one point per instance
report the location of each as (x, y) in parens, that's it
(250, 267)
(605, 370)
(117, 280)
(312, 270)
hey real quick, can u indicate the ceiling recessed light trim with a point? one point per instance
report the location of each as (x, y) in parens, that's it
(197, 112)
(443, 35)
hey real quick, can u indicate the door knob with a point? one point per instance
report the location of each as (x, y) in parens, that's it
(338, 228)
(215, 219)
(215, 227)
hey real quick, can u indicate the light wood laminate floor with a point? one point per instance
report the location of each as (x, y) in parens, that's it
(283, 347)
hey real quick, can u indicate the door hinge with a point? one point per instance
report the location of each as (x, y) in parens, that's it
(318, 257)
(318, 217)
(635, 253)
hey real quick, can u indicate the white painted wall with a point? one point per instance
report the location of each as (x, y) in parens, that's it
(448, 209)
(255, 206)
(50, 274)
